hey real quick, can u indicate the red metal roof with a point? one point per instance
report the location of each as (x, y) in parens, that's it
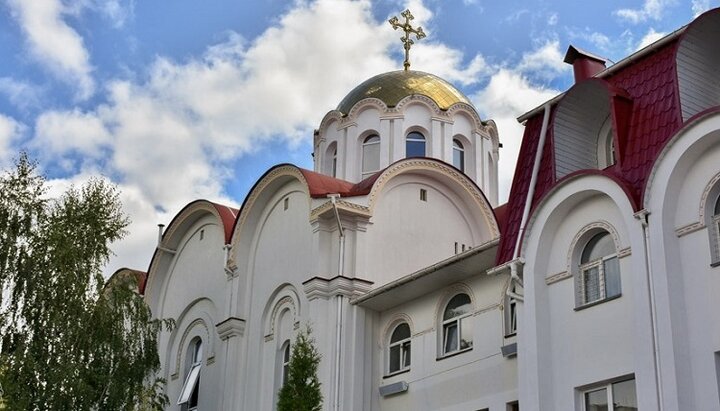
(227, 216)
(654, 117)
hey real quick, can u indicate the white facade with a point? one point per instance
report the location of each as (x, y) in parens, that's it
(598, 281)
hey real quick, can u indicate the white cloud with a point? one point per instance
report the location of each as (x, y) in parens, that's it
(10, 131)
(172, 136)
(650, 37)
(545, 62)
(512, 91)
(69, 132)
(54, 43)
(552, 19)
(700, 6)
(19, 93)
(651, 10)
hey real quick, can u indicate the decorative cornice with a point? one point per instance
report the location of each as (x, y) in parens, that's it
(555, 278)
(230, 327)
(318, 287)
(342, 205)
(625, 252)
(689, 228)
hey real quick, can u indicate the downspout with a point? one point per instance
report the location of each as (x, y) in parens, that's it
(338, 324)
(642, 216)
(159, 241)
(514, 277)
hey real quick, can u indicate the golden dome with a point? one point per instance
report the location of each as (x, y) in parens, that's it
(393, 86)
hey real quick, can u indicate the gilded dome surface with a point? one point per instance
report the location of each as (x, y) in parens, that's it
(393, 86)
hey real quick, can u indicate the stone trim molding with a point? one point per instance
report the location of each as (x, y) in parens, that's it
(230, 327)
(556, 278)
(182, 346)
(319, 287)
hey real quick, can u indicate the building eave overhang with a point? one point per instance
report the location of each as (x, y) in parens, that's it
(451, 270)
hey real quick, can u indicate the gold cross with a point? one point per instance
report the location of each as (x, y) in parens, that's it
(408, 29)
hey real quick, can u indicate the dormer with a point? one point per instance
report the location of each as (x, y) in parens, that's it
(402, 114)
(590, 127)
(698, 59)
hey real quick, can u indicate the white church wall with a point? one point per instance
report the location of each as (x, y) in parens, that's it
(685, 282)
(475, 379)
(192, 289)
(281, 253)
(564, 349)
(407, 233)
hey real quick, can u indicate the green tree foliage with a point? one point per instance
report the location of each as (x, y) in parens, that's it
(301, 391)
(67, 342)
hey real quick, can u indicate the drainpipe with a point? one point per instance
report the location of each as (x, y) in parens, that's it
(338, 324)
(642, 216)
(159, 241)
(514, 277)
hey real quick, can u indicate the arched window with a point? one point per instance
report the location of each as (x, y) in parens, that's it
(285, 362)
(334, 162)
(716, 226)
(399, 355)
(606, 145)
(331, 159)
(370, 156)
(191, 388)
(415, 145)
(458, 155)
(456, 324)
(599, 269)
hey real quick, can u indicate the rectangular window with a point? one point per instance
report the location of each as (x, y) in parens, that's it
(618, 396)
(190, 382)
(510, 314)
(286, 204)
(717, 372)
(513, 406)
(717, 236)
(451, 337)
(600, 280)
(423, 194)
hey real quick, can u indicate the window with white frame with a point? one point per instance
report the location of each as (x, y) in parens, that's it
(511, 312)
(617, 396)
(189, 394)
(458, 155)
(399, 352)
(599, 276)
(333, 161)
(606, 145)
(457, 325)
(415, 145)
(370, 156)
(716, 224)
(285, 362)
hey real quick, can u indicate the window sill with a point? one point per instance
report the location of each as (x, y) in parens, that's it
(715, 264)
(392, 374)
(596, 302)
(454, 353)
(511, 335)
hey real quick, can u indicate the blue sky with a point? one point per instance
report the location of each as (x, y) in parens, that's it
(175, 100)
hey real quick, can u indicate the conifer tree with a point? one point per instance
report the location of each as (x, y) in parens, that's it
(301, 391)
(68, 342)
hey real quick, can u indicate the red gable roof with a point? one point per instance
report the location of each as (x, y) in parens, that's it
(654, 117)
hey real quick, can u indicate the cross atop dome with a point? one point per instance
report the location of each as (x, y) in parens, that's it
(408, 29)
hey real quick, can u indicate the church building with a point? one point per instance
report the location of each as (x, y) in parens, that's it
(595, 287)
